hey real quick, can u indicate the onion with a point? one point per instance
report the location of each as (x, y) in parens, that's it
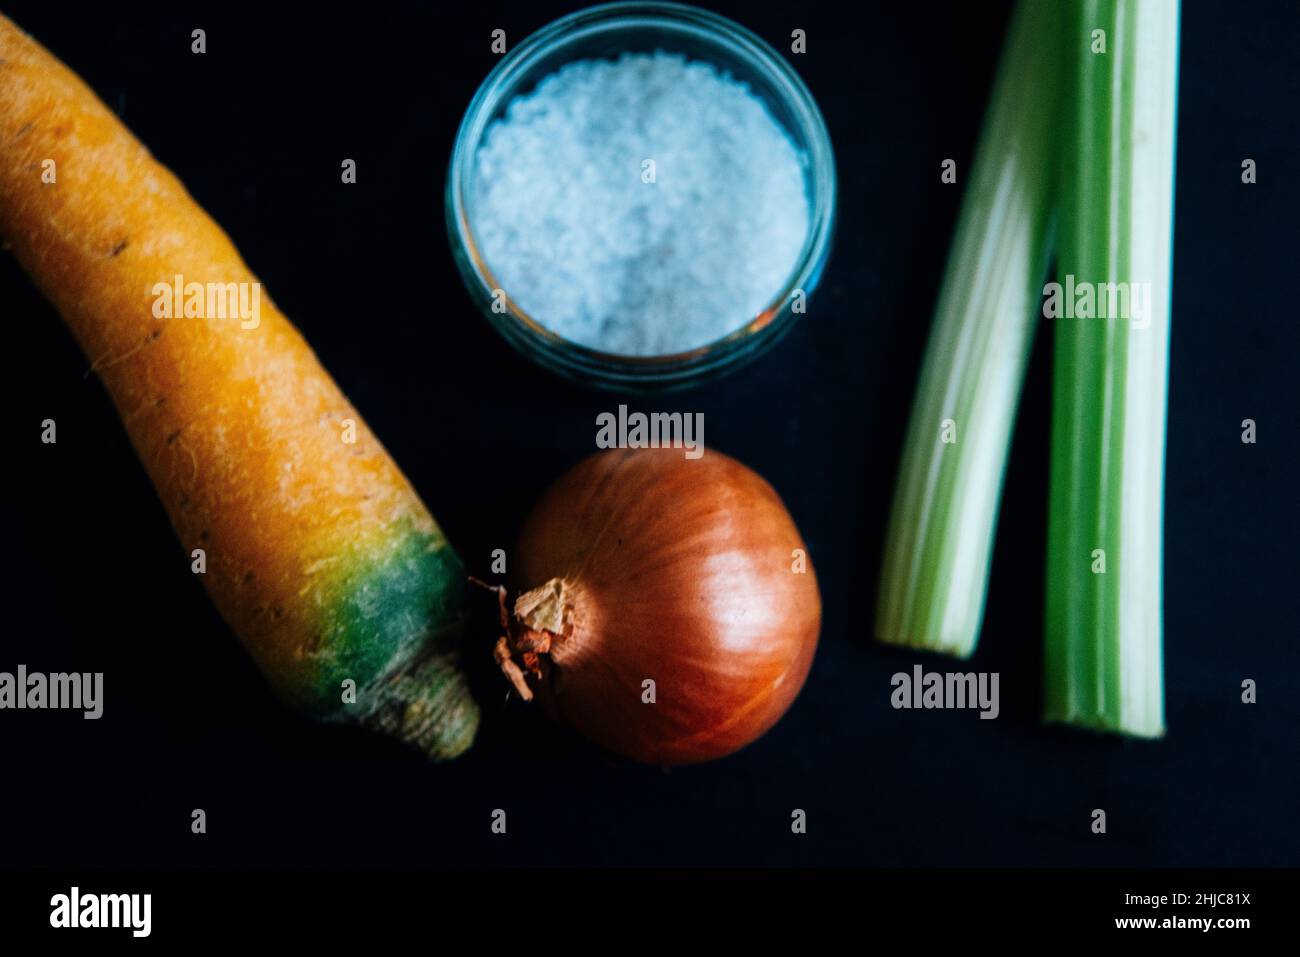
(666, 606)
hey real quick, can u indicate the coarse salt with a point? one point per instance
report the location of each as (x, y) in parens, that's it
(642, 206)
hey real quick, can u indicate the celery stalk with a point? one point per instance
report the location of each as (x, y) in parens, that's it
(935, 570)
(1103, 607)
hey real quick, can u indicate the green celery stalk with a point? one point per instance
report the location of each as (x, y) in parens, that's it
(1103, 606)
(938, 546)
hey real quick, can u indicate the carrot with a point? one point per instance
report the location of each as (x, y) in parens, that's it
(318, 552)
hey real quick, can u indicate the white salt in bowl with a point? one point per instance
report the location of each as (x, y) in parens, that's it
(606, 33)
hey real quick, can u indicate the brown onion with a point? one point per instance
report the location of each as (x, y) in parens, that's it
(644, 566)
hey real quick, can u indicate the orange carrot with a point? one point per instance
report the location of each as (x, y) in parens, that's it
(318, 552)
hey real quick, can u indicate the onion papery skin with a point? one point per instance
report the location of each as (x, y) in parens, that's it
(681, 571)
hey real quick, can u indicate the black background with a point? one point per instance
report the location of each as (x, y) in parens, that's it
(93, 579)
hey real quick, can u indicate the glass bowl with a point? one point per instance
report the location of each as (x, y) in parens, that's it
(606, 32)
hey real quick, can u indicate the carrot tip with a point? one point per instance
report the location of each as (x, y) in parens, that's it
(427, 704)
